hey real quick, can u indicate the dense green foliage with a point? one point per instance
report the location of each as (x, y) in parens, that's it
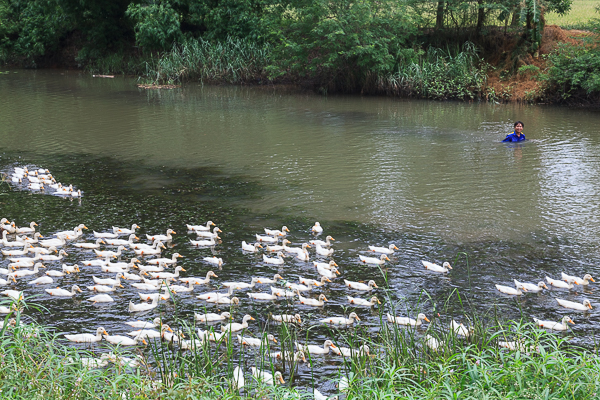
(366, 46)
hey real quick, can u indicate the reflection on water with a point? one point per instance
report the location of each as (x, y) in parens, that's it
(430, 177)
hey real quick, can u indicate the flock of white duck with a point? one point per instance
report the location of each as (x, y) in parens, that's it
(40, 180)
(26, 252)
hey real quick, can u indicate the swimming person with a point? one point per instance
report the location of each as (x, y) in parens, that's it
(517, 135)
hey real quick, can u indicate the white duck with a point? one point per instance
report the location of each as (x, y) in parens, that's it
(560, 284)
(276, 232)
(510, 290)
(362, 351)
(153, 251)
(328, 273)
(433, 343)
(303, 255)
(165, 275)
(361, 286)
(63, 292)
(163, 238)
(322, 251)
(269, 281)
(235, 326)
(110, 253)
(314, 282)
(556, 326)
(96, 263)
(103, 288)
(575, 306)
(52, 257)
(266, 377)
(150, 333)
(145, 324)
(87, 337)
(214, 260)
(282, 292)
(22, 252)
(224, 300)
(55, 273)
(125, 231)
(109, 281)
(124, 340)
(373, 260)
(406, 320)
(325, 243)
(199, 281)
(16, 295)
(142, 246)
(267, 238)
(167, 261)
(143, 306)
(317, 228)
(209, 295)
(580, 281)
(70, 269)
(42, 280)
(200, 227)
(181, 288)
(251, 248)
(262, 296)
(296, 287)
(341, 320)
(211, 235)
(287, 318)
(436, 268)
(362, 302)
(274, 260)
(328, 265)
(460, 329)
(312, 302)
(384, 250)
(212, 317)
(296, 357)
(531, 287)
(270, 248)
(238, 380)
(58, 242)
(75, 233)
(27, 229)
(24, 272)
(312, 349)
(200, 243)
(101, 298)
(241, 285)
(256, 342)
(122, 242)
(95, 245)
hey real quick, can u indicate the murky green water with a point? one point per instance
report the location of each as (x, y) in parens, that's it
(430, 177)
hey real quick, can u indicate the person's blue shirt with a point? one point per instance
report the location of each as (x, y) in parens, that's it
(514, 138)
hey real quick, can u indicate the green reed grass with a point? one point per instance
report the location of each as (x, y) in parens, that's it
(439, 74)
(231, 61)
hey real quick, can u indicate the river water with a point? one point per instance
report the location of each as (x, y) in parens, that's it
(430, 177)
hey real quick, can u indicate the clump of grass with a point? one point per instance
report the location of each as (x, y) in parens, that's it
(231, 61)
(439, 74)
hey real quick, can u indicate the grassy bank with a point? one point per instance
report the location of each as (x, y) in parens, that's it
(579, 17)
(401, 363)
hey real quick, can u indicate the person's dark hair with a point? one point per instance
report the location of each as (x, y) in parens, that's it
(517, 123)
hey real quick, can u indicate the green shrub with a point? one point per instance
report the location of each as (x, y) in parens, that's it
(575, 67)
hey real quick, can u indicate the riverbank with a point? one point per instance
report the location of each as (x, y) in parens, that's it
(508, 360)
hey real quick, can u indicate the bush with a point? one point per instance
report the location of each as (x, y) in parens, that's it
(344, 45)
(575, 67)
